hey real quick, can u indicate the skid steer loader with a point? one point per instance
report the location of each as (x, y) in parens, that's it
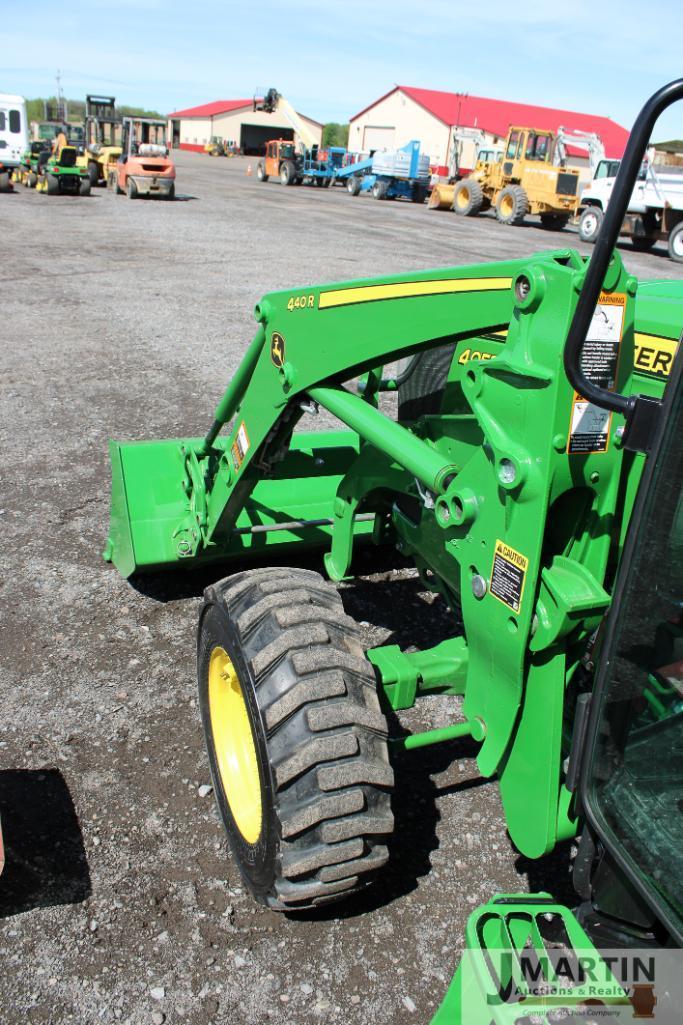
(531, 396)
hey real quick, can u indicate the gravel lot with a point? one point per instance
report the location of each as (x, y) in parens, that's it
(119, 901)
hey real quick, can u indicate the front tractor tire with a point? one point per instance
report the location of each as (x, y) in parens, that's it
(468, 198)
(261, 172)
(52, 187)
(296, 739)
(84, 187)
(512, 205)
(93, 172)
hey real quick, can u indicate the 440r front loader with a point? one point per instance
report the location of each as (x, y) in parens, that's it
(508, 489)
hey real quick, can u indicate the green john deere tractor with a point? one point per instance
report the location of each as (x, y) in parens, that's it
(516, 478)
(59, 174)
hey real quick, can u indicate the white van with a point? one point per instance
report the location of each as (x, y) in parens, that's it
(13, 135)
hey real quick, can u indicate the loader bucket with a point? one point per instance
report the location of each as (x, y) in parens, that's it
(149, 502)
(441, 197)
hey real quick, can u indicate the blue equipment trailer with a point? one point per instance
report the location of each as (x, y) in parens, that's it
(322, 172)
(402, 173)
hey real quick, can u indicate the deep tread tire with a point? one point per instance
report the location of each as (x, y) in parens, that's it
(590, 223)
(423, 392)
(321, 737)
(468, 198)
(512, 205)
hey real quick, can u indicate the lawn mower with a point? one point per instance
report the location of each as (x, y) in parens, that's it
(60, 175)
(30, 162)
(529, 396)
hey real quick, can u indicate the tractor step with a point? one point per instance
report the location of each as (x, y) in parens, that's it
(150, 501)
(527, 959)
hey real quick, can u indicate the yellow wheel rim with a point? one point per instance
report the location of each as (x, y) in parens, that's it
(463, 198)
(233, 742)
(506, 205)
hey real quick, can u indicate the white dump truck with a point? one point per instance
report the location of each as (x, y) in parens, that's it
(655, 211)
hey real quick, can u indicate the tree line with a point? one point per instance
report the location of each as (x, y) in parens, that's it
(35, 109)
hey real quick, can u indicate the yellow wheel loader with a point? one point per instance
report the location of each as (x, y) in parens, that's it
(528, 180)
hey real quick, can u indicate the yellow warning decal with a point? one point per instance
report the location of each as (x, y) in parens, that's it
(240, 446)
(508, 575)
(409, 290)
(654, 355)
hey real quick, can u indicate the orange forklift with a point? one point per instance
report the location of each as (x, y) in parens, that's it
(145, 166)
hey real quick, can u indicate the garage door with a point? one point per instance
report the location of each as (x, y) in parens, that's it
(378, 137)
(253, 138)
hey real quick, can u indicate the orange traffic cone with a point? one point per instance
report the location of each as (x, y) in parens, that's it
(249, 171)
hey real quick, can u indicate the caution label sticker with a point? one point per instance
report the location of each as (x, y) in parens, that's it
(589, 424)
(240, 446)
(508, 575)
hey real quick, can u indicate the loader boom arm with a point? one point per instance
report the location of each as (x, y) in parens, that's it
(499, 499)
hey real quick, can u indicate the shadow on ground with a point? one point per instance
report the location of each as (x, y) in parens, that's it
(551, 874)
(45, 861)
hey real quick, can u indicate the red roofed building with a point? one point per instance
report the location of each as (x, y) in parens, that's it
(406, 113)
(234, 121)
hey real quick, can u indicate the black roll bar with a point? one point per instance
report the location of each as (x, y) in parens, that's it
(640, 411)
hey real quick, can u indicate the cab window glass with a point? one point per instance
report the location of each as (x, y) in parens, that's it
(537, 147)
(636, 777)
(512, 146)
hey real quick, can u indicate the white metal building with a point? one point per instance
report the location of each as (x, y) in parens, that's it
(407, 113)
(234, 121)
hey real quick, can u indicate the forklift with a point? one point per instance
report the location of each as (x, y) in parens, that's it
(101, 136)
(145, 166)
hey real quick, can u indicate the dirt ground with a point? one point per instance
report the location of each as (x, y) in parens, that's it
(119, 901)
